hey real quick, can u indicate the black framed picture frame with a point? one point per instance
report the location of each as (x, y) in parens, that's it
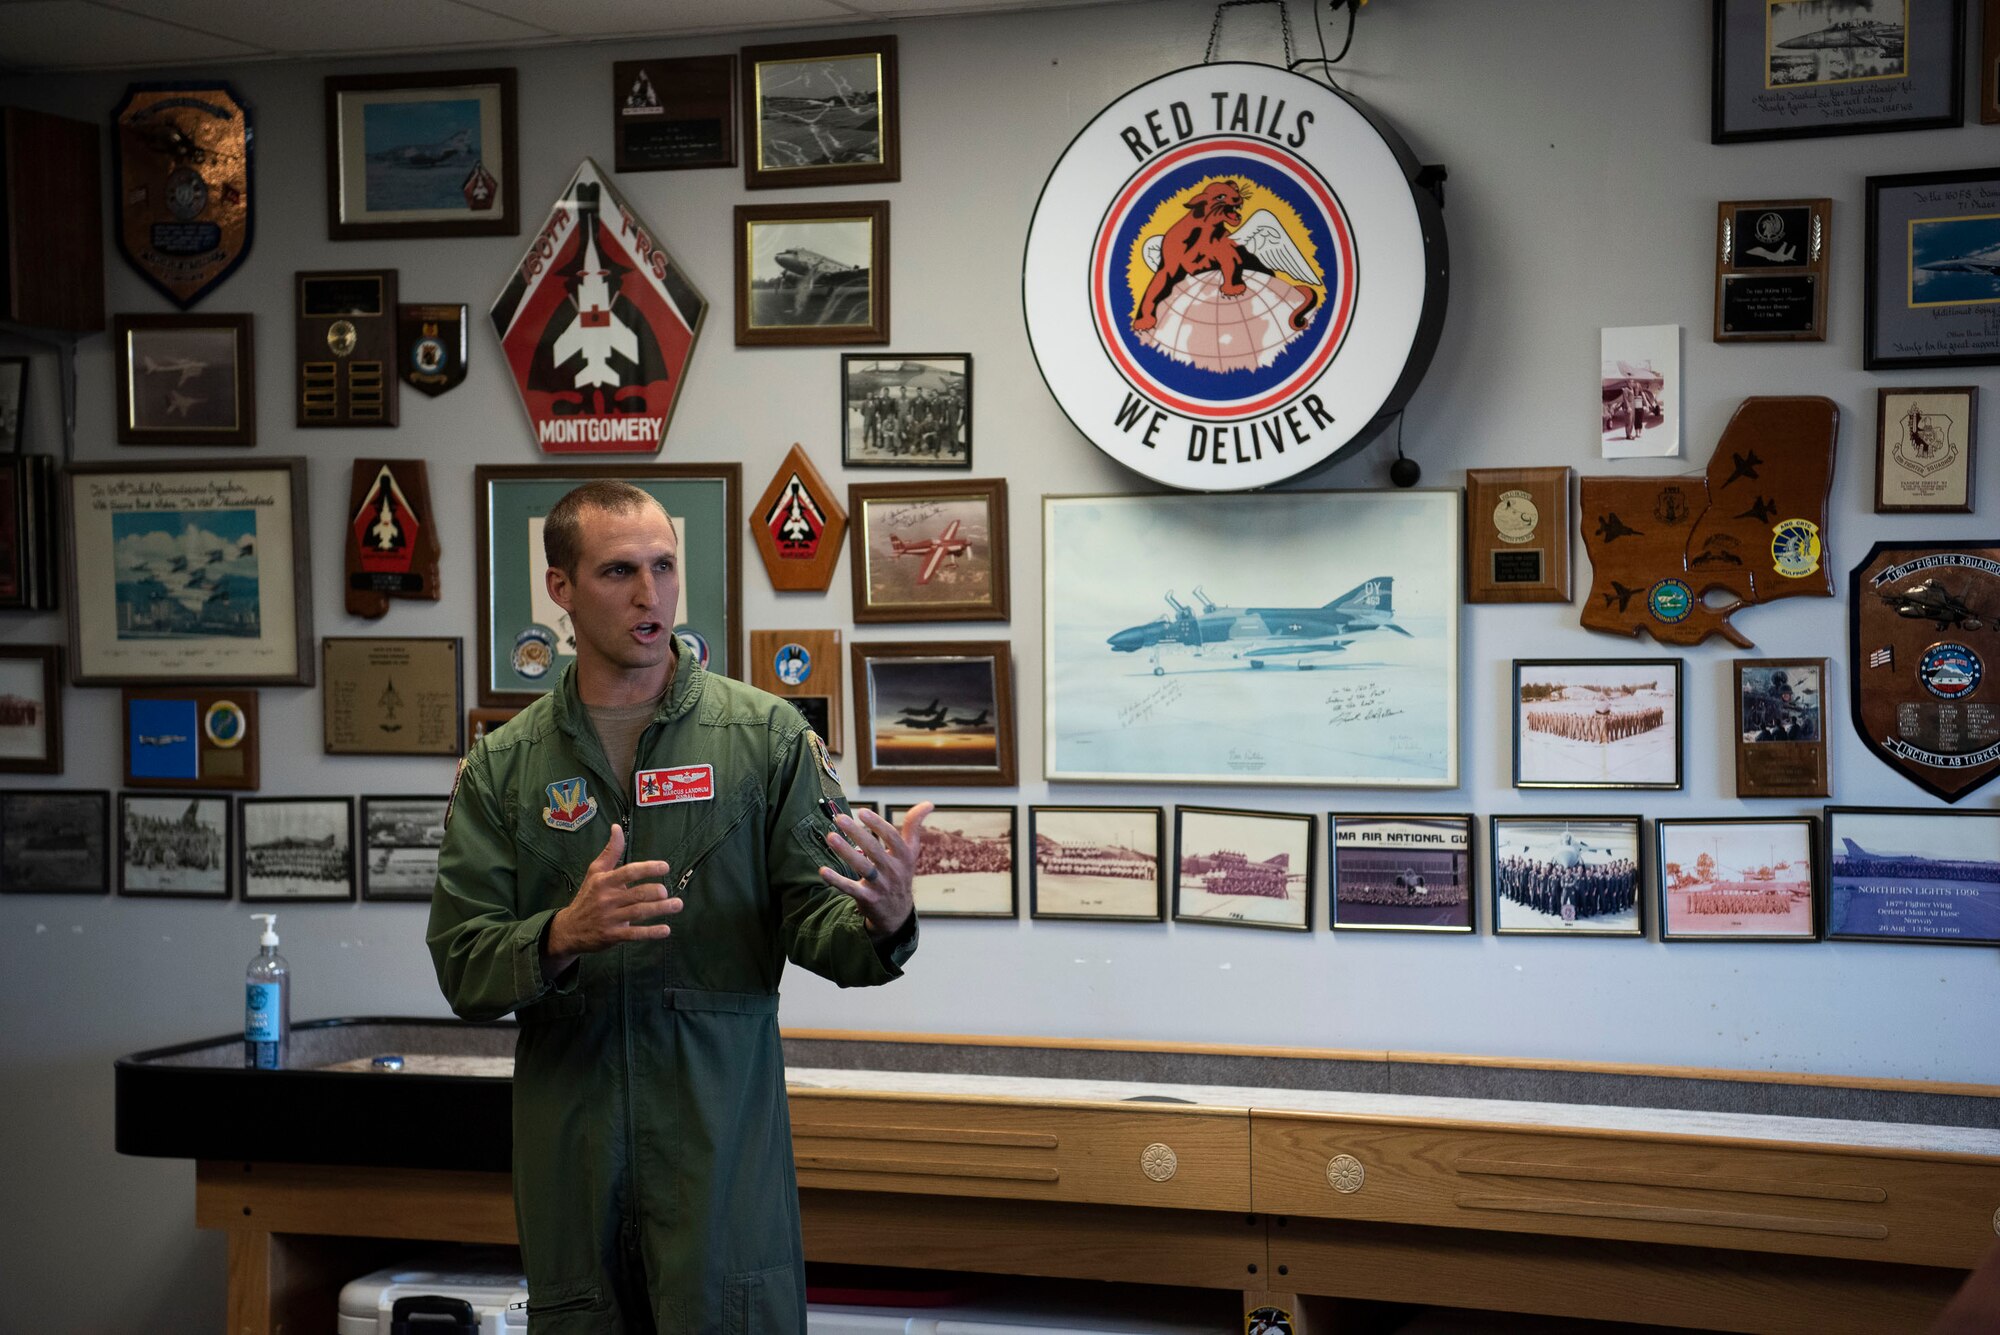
(422, 154)
(1568, 875)
(1239, 868)
(1097, 864)
(1410, 872)
(906, 410)
(295, 848)
(175, 845)
(1792, 69)
(400, 839)
(1597, 723)
(55, 841)
(966, 865)
(1738, 878)
(185, 379)
(1918, 875)
(821, 113)
(1929, 295)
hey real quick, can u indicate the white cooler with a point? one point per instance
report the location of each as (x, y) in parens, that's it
(456, 1295)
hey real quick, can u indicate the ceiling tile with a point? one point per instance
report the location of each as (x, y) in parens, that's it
(608, 18)
(71, 34)
(297, 28)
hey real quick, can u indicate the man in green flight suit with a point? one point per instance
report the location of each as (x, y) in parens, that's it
(653, 1178)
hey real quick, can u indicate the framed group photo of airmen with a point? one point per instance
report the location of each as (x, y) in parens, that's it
(1913, 874)
(1243, 868)
(525, 639)
(1299, 637)
(31, 708)
(295, 848)
(1568, 876)
(1407, 873)
(965, 866)
(174, 846)
(1097, 864)
(400, 840)
(1739, 879)
(1597, 723)
(908, 410)
(55, 842)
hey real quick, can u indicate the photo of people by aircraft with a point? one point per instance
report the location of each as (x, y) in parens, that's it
(907, 410)
(965, 867)
(1914, 875)
(1955, 260)
(810, 273)
(1814, 42)
(183, 380)
(1180, 649)
(1737, 878)
(935, 712)
(936, 552)
(1562, 876)
(1402, 872)
(1597, 724)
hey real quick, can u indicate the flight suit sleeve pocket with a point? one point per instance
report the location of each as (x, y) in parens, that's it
(763, 1302)
(555, 1006)
(811, 832)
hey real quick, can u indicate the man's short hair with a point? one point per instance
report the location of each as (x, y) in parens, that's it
(562, 531)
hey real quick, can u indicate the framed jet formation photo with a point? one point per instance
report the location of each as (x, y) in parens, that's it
(185, 380)
(934, 712)
(821, 113)
(1272, 638)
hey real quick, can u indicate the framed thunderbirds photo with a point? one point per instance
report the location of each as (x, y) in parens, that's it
(1304, 637)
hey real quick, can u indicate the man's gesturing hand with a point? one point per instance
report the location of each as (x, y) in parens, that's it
(883, 863)
(610, 907)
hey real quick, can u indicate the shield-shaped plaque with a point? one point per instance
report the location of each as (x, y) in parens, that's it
(597, 324)
(798, 526)
(392, 543)
(183, 171)
(1921, 617)
(431, 340)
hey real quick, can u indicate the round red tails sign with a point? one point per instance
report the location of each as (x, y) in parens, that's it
(1230, 275)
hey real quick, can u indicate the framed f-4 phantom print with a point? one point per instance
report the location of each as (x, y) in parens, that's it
(1306, 637)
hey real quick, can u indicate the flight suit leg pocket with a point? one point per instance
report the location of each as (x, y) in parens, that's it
(576, 1308)
(762, 1302)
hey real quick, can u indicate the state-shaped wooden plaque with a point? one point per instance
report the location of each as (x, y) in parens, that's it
(798, 526)
(803, 666)
(1752, 526)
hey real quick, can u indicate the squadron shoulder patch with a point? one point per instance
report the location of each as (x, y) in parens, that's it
(451, 798)
(822, 759)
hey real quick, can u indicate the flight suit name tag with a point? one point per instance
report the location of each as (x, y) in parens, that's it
(682, 783)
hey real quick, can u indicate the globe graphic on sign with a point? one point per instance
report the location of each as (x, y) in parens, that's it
(1202, 326)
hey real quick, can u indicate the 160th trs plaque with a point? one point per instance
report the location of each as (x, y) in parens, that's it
(1517, 535)
(1770, 270)
(1925, 624)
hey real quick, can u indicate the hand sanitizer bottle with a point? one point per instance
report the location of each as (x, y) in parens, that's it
(267, 1006)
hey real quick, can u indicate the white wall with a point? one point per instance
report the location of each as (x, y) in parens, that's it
(1582, 193)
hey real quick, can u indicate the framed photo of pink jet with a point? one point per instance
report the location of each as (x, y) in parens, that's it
(929, 551)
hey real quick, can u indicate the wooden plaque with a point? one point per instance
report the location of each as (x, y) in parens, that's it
(190, 739)
(392, 542)
(1753, 525)
(1921, 617)
(798, 526)
(1771, 270)
(803, 666)
(1517, 535)
(347, 347)
(1781, 727)
(479, 722)
(393, 697)
(670, 115)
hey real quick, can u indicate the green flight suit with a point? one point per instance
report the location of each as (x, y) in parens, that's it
(651, 1131)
